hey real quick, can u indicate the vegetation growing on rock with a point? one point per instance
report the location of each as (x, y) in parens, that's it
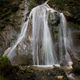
(71, 8)
(9, 72)
(10, 21)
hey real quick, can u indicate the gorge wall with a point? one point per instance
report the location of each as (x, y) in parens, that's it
(11, 17)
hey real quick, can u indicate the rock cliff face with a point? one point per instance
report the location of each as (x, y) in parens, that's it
(11, 18)
(11, 14)
(71, 9)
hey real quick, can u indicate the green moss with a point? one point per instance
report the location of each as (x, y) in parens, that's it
(7, 70)
(4, 62)
(5, 65)
(2, 78)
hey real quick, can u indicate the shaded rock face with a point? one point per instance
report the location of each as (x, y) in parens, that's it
(22, 60)
(76, 42)
(11, 14)
(6, 37)
(71, 8)
(11, 29)
(75, 39)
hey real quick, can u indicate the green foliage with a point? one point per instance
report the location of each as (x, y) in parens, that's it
(7, 70)
(71, 6)
(57, 3)
(32, 4)
(2, 78)
(4, 62)
(5, 65)
(74, 26)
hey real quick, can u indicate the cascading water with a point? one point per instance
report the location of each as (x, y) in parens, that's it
(64, 41)
(43, 51)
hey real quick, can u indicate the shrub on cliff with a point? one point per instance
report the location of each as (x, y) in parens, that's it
(7, 71)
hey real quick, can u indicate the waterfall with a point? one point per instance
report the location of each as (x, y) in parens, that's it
(21, 37)
(43, 49)
(42, 46)
(64, 42)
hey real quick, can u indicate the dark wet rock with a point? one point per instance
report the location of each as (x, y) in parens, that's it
(54, 18)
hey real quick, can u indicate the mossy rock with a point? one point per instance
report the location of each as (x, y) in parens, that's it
(7, 70)
(36, 73)
(4, 62)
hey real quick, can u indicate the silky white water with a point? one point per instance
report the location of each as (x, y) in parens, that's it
(42, 46)
(43, 49)
(64, 39)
